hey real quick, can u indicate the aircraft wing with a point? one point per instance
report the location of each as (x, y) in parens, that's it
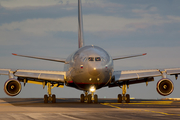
(35, 76)
(42, 58)
(127, 56)
(173, 71)
(139, 76)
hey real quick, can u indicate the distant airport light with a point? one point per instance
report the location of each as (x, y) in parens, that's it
(92, 89)
(94, 68)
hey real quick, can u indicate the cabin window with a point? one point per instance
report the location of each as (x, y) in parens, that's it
(91, 58)
(97, 59)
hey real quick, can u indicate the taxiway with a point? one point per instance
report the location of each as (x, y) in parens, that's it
(72, 109)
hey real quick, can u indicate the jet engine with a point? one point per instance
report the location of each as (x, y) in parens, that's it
(165, 87)
(12, 87)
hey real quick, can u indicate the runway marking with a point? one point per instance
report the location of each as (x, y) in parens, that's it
(109, 104)
(158, 102)
(69, 117)
(41, 115)
(148, 102)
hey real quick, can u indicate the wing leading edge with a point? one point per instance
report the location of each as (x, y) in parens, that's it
(139, 76)
(55, 76)
(127, 56)
(42, 58)
(36, 76)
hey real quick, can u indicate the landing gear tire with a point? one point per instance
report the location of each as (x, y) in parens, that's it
(119, 98)
(127, 98)
(82, 98)
(45, 99)
(53, 98)
(89, 98)
(95, 98)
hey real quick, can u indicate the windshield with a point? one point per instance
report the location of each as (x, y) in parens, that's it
(97, 59)
(91, 58)
(94, 58)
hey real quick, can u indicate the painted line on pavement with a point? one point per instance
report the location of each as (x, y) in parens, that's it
(109, 104)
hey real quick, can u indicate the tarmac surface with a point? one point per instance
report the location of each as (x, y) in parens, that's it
(72, 109)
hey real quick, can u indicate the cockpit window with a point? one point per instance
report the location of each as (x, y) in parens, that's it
(84, 59)
(97, 59)
(103, 59)
(91, 58)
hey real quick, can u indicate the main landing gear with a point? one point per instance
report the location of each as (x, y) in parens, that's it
(89, 98)
(49, 97)
(124, 97)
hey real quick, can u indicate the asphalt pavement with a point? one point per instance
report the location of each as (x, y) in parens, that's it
(72, 109)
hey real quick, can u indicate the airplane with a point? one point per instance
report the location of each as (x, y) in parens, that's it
(88, 69)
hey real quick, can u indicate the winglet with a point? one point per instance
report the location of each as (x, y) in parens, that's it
(14, 54)
(144, 54)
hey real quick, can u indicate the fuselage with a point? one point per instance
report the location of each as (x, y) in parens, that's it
(89, 65)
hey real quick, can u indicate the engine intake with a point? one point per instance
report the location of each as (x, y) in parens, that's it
(12, 87)
(165, 87)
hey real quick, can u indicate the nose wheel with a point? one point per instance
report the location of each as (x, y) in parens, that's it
(82, 98)
(89, 98)
(95, 98)
(124, 97)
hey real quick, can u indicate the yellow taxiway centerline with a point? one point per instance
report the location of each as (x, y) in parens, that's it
(113, 105)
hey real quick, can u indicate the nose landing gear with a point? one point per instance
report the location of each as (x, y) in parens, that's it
(89, 98)
(124, 97)
(92, 97)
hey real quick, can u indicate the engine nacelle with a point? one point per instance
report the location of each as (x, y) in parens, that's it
(165, 87)
(12, 87)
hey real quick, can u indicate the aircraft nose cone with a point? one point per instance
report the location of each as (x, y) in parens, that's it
(94, 71)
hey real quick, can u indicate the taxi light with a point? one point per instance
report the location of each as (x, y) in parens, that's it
(92, 89)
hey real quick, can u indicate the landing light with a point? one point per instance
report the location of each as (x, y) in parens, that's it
(92, 89)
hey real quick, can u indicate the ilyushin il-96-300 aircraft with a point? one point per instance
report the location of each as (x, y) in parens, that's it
(88, 69)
